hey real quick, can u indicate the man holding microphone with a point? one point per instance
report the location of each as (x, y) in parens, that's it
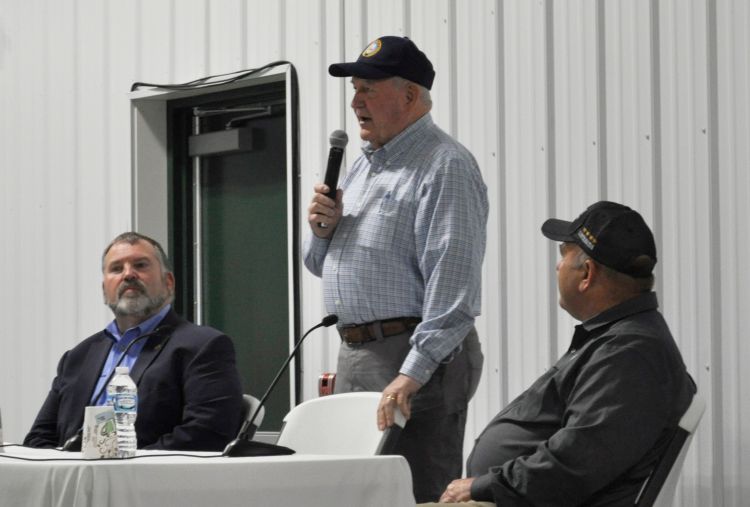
(400, 251)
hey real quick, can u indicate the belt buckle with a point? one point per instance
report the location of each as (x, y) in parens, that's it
(359, 329)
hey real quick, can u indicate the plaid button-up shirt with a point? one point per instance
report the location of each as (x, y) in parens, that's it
(410, 243)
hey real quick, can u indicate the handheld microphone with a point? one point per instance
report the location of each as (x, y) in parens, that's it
(73, 443)
(243, 445)
(338, 140)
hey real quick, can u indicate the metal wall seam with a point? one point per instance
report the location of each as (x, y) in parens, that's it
(715, 247)
(601, 96)
(551, 163)
(656, 135)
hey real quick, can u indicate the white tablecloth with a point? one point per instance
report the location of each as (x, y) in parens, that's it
(154, 478)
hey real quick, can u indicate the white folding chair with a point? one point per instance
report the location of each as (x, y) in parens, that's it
(339, 424)
(249, 406)
(659, 488)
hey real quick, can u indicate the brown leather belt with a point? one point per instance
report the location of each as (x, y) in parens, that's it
(355, 334)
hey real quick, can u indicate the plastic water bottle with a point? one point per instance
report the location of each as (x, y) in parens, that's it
(122, 394)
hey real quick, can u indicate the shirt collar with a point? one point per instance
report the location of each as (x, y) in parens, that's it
(401, 141)
(144, 327)
(638, 304)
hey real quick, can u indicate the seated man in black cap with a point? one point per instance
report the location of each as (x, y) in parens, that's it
(589, 431)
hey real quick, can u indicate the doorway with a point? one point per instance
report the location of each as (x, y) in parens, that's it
(232, 228)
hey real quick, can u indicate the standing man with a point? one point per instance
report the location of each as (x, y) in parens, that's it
(400, 251)
(591, 429)
(189, 391)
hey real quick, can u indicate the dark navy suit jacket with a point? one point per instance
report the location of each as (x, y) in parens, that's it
(189, 390)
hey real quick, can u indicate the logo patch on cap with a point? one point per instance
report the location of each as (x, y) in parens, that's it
(586, 237)
(373, 48)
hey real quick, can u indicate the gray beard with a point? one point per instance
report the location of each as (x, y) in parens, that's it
(138, 306)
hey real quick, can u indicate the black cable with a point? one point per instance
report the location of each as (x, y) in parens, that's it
(203, 82)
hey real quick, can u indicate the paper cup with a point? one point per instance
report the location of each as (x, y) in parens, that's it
(99, 433)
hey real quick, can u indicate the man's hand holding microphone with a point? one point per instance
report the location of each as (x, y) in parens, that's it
(326, 208)
(324, 212)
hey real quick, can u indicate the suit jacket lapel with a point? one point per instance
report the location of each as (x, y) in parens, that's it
(153, 347)
(148, 354)
(90, 371)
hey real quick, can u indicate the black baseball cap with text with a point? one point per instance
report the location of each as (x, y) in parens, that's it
(389, 56)
(612, 234)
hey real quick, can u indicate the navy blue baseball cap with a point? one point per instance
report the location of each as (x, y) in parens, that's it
(389, 56)
(612, 234)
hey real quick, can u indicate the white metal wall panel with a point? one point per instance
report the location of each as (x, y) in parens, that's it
(264, 31)
(356, 34)
(687, 210)
(562, 103)
(323, 116)
(306, 40)
(22, 104)
(185, 38)
(10, 221)
(733, 43)
(628, 104)
(577, 178)
(479, 87)
(526, 193)
(576, 108)
(382, 17)
(226, 36)
(120, 61)
(154, 40)
(434, 31)
(51, 218)
(318, 119)
(62, 191)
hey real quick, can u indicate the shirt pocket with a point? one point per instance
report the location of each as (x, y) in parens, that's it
(387, 222)
(539, 402)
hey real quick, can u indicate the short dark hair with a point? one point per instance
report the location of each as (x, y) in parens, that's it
(134, 237)
(622, 281)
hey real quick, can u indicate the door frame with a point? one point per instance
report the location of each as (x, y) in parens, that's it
(150, 178)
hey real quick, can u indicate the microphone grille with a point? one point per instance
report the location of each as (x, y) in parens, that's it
(338, 139)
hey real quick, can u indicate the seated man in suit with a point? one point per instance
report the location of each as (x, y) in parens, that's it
(189, 391)
(589, 431)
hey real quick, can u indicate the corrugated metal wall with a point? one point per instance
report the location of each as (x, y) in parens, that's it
(562, 102)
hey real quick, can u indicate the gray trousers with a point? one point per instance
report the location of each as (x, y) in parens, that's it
(432, 440)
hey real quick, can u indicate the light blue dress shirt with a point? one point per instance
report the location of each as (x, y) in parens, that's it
(410, 242)
(121, 341)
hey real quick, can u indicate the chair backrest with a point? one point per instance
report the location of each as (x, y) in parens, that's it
(339, 424)
(659, 488)
(249, 406)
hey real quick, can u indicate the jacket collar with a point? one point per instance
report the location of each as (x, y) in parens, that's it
(589, 328)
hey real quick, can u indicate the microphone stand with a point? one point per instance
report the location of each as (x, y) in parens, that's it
(73, 444)
(243, 445)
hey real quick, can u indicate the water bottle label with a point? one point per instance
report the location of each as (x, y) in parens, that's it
(126, 402)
